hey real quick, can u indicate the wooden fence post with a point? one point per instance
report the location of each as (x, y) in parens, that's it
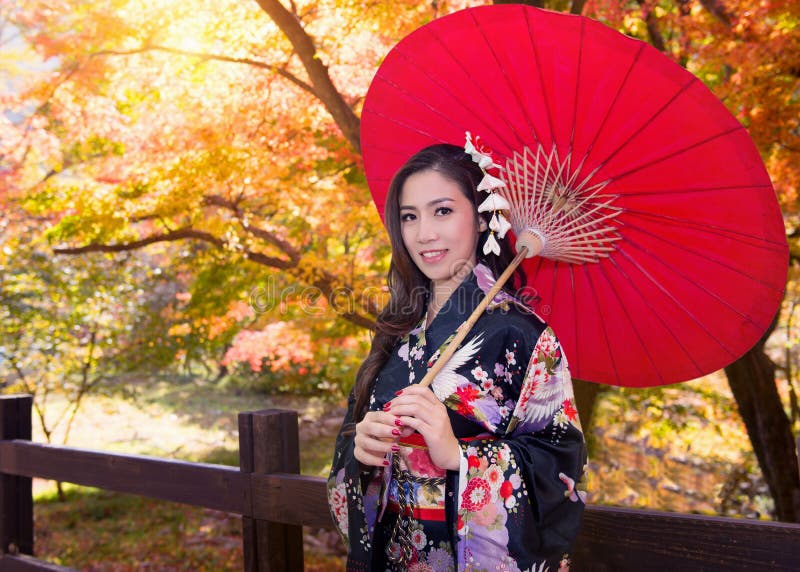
(269, 443)
(16, 493)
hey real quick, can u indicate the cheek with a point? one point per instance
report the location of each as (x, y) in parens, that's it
(405, 234)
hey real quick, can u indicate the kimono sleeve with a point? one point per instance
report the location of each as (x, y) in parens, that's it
(517, 503)
(352, 492)
(343, 470)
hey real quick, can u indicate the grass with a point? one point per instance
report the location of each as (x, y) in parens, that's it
(99, 530)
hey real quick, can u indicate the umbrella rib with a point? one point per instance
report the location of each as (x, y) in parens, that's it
(775, 246)
(437, 111)
(577, 91)
(540, 261)
(541, 79)
(705, 256)
(599, 130)
(677, 302)
(555, 275)
(487, 97)
(513, 85)
(536, 297)
(674, 153)
(644, 125)
(658, 317)
(602, 323)
(628, 316)
(575, 327)
(396, 121)
(696, 190)
(694, 283)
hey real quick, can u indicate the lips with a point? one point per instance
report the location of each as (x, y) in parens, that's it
(433, 255)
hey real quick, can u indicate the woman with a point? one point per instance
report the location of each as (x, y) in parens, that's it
(484, 462)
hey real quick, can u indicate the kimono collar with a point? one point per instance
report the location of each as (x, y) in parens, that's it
(466, 297)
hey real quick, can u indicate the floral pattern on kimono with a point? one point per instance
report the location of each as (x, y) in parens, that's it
(514, 503)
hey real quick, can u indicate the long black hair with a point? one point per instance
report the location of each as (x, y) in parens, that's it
(409, 288)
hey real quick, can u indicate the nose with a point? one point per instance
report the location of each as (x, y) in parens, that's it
(426, 230)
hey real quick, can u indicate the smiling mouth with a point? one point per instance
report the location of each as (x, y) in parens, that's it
(432, 254)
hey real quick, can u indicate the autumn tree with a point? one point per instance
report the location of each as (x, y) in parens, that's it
(235, 127)
(68, 325)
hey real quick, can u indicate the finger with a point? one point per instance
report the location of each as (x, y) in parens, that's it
(417, 397)
(406, 431)
(379, 431)
(416, 423)
(368, 458)
(416, 407)
(383, 417)
(376, 448)
(415, 390)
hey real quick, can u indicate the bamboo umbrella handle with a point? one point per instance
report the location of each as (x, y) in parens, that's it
(465, 328)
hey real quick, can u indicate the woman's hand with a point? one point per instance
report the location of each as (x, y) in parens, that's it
(376, 435)
(418, 408)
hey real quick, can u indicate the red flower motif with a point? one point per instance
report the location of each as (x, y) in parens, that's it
(569, 409)
(506, 489)
(473, 462)
(476, 495)
(466, 395)
(460, 523)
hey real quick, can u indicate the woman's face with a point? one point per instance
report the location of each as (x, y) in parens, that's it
(440, 227)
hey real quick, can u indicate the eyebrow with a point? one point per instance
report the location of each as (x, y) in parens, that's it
(430, 204)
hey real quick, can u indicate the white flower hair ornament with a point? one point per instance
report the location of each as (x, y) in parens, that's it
(495, 202)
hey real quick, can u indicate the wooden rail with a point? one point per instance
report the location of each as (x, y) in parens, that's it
(275, 502)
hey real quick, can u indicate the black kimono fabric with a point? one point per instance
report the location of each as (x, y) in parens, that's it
(513, 504)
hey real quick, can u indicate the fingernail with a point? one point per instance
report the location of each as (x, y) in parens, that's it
(396, 448)
(385, 463)
(395, 431)
(398, 422)
(387, 405)
(398, 392)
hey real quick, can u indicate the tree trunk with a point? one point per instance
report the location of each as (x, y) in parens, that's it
(586, 394)
(752, 381)
(306, 50)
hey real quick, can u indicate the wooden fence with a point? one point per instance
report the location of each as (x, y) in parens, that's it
(275, 501)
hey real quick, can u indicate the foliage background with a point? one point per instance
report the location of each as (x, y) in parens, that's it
(182, 198)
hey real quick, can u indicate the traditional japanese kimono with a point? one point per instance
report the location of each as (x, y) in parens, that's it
(513, 504)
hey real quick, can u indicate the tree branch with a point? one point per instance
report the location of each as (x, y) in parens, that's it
(214, 57)
(656, 39)
(326, 282)
(179, 234)
(717, 9)
(233, 206)
(324, 88)
(577, 6)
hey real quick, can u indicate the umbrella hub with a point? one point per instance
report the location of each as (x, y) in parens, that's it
(563, 199)
(560, 205)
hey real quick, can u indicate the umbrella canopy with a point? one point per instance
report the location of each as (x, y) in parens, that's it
(693, 264)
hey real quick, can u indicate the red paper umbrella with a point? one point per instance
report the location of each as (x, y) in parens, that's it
(667, 257)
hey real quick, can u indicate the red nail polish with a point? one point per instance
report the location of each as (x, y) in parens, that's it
(398, 422)
(396, 432)
(398, 392)
(395, 448)
(386, 406)
(385, 463)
